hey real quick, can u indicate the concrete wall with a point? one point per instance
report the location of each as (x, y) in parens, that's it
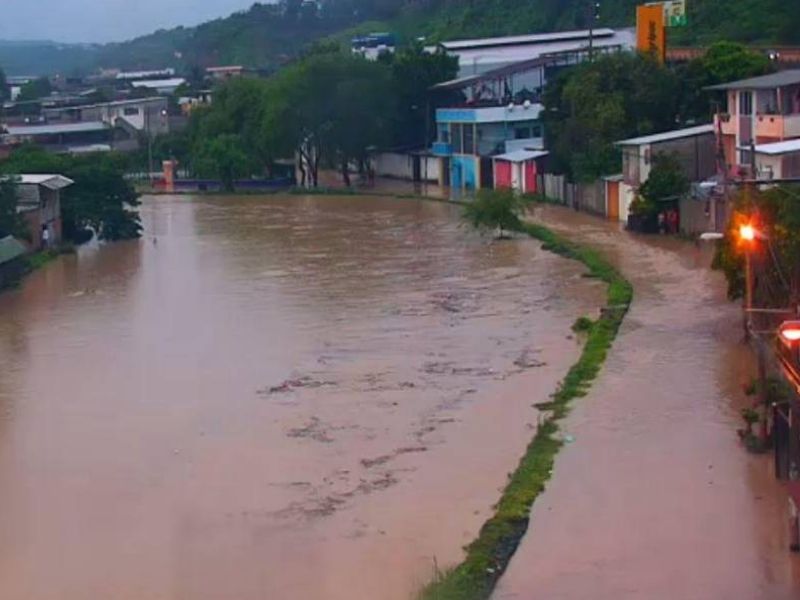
(401, 166)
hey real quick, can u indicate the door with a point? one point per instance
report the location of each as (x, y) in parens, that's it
(612, 200)
(456, 175)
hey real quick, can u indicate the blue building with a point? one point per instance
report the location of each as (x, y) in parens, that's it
(468, 138)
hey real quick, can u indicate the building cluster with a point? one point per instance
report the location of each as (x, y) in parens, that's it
(110, 110)
(489, 132)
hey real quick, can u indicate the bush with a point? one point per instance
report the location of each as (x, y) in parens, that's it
(496, 209)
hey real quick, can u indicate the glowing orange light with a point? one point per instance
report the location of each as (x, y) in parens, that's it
(747, 233)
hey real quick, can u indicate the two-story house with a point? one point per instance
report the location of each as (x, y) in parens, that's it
(762, 114)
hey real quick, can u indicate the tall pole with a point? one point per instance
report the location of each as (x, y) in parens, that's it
(149, 144)
(748, 291)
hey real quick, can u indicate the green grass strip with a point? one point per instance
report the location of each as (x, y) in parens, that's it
(489, 555)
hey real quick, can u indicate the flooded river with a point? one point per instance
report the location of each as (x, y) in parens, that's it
(284, 398)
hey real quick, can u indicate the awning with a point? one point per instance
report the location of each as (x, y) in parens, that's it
(518, 156)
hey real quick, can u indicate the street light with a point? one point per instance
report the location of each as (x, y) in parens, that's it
(747, 233)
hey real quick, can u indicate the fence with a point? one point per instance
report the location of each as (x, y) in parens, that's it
(587, 197)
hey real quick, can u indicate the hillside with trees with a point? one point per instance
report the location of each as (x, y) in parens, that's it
(269, 35)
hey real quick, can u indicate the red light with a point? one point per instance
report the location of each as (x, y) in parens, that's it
(790, 332)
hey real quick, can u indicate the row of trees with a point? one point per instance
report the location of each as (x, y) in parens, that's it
(331, 108)
(627, 95)
(101, 202)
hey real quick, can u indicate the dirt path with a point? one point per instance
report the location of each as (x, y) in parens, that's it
(655, 498)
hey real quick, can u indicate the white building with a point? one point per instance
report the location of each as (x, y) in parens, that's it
(778, 160)
(480, 55)
(164, 87)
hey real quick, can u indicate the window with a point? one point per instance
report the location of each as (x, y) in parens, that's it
(131, 111)
(444, 133)
(469, 139)
(455, 137)
(746, 103)
(522, 133)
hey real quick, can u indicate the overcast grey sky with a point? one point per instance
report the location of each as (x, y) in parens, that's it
(104, 20)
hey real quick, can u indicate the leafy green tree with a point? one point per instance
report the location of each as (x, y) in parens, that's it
(224, 156)
(11, 222)
(723, 62)
(666, 182)
(595, 104)
(101, 198)
(5, 93)
(498, 210)
(413, 72)
(33, 90)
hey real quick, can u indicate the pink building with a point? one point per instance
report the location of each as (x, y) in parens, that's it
(760, 111)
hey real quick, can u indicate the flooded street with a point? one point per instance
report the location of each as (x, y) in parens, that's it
(319, 398)
(656, 498)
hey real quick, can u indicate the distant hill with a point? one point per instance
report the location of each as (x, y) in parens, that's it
(267, 35)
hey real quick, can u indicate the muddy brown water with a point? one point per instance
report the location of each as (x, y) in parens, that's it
(656, 498)
(284, 398)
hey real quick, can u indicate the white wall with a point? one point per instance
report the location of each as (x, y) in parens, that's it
(400, 166)
(626, 196)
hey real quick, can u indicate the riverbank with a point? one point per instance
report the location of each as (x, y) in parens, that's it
(32, 262)
(657, 498)
(489, 555)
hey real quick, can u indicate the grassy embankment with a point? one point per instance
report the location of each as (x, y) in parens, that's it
(488, 556)
(35, 261)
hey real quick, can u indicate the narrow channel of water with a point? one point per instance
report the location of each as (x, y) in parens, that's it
(283, 397)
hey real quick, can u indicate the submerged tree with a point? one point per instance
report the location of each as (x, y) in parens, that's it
(498, 210)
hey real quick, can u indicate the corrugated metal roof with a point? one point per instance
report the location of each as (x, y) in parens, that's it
(667, 136)
(778, 147)
(154, 84)
(774, 80)
(10, 248)
(56, 128)
(521, 155)
(537, 38)
(51, 182)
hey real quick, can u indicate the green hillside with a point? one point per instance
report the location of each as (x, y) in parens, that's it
(268, 35)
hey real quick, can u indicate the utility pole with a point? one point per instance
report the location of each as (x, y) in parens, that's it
(594, 16)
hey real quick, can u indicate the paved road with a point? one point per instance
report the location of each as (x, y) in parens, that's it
(656, 499)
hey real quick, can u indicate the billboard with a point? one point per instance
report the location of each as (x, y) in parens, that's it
(675, 13)
(650, 31)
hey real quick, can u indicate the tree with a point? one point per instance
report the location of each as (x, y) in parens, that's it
(414, 71)
(499, 210)
(11, 222)
(4, 91)
(224, 156)
(33, 90)
(101, 198)
(723, 62)
(595, 104)
(667, 182)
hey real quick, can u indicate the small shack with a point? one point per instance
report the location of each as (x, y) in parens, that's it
(12, 260)
(39, 202)
(518, 170)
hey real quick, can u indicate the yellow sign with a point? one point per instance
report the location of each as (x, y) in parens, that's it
(651, 35)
